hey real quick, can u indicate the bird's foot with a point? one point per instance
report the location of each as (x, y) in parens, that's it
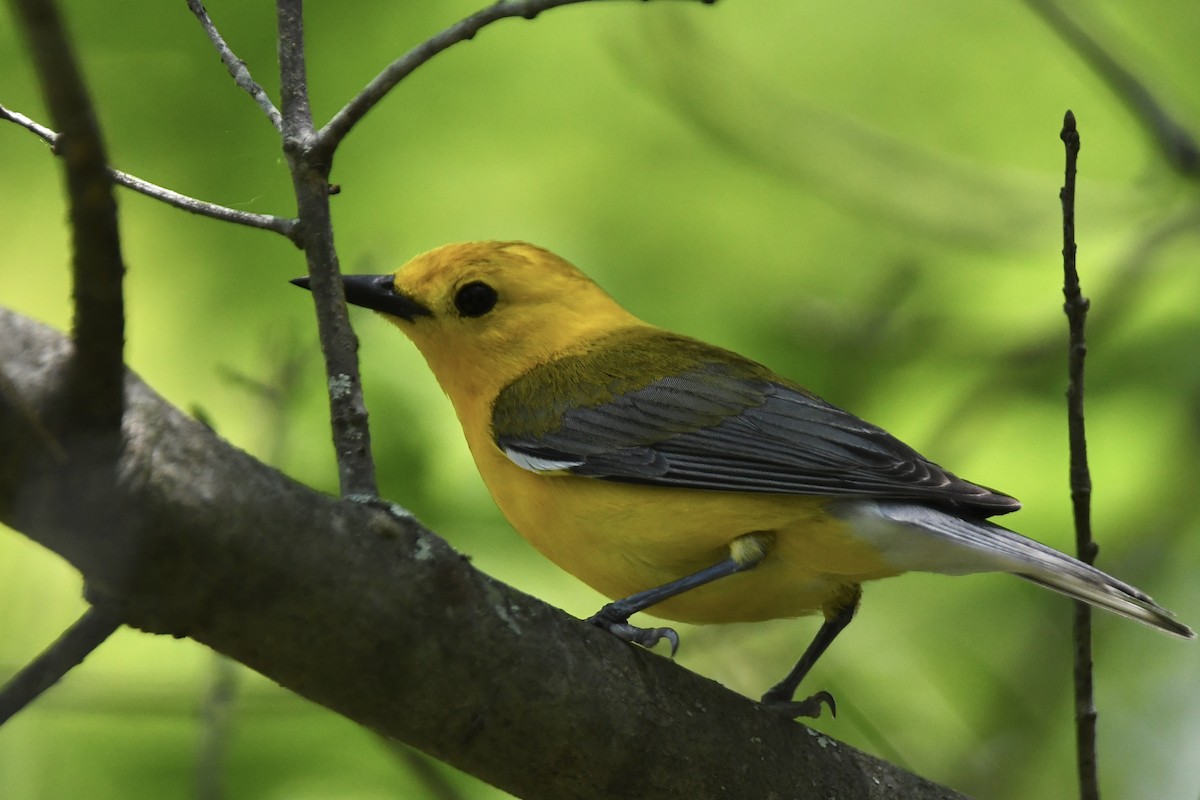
(616, 623)
(808, 707)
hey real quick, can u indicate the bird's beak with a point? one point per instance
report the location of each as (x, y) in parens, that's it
(378, 293)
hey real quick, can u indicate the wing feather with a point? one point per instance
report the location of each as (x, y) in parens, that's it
(716, 421)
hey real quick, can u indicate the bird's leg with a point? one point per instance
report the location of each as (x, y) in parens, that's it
(746, 552)
(779, 697)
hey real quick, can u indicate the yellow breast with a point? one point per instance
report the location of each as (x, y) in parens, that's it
(622, 538)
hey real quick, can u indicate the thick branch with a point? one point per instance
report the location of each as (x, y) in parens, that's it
(382, 622)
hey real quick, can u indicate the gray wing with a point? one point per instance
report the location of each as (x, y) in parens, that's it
(709, 428)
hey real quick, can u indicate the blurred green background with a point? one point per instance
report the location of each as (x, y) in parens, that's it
(862, 195)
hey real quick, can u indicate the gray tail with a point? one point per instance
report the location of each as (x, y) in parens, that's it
(985, 546)
(1104, 591)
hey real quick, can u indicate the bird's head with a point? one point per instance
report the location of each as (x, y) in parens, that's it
(483, 313)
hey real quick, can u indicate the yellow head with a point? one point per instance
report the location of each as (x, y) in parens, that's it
(484, 313)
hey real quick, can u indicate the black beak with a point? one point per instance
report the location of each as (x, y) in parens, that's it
(378, 293)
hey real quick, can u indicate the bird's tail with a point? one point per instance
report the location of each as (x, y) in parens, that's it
(979, 546)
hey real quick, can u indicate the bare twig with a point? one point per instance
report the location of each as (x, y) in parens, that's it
(268, 222)
(66, 653)
(461, 31)
(310, 180)
(286, 226)
(237, 68)
(1076, 308)
(44, 133)
(1176, 142)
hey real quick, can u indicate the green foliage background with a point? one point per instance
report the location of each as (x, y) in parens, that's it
(862, 195)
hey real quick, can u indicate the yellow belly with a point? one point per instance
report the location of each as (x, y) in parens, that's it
(622, 538)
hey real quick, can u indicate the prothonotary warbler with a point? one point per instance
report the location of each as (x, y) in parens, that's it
(684, 479)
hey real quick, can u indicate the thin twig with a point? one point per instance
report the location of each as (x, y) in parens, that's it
(237, 68)
(461, 31)
(1076, 308)
(67, 652)
(286, 226)
(282, 225)
(310, 180)
(1177, 144)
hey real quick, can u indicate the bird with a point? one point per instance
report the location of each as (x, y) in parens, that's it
(683, 479)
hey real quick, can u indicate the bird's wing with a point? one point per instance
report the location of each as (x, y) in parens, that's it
(717, 421)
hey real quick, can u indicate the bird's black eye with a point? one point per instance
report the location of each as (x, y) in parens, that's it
(475, 299)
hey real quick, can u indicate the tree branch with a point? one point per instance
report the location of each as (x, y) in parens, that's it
(382, 622)
(237, 68)
(465, 29)
(1076, 308)
(267, 222)
(66, 653)
(94, 397)
(309, 168)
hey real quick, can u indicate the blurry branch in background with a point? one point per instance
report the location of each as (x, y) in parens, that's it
(1076, 308)
(216, 727)
(237, 68)
(1031, 364)
(66, 653)
(1174, 142)
(869, 171)
(464, 30)
(217, 708)
(281, 225)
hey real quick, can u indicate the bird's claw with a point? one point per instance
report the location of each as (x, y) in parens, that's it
(645, 637)
(808, 707)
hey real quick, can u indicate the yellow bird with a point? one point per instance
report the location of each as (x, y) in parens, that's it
(683, 478)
